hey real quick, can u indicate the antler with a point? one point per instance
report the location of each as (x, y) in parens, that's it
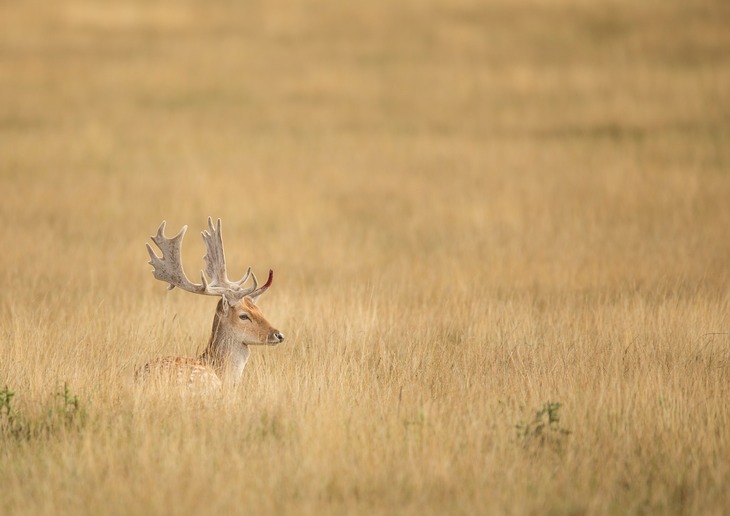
(215, 259)
(169, 268)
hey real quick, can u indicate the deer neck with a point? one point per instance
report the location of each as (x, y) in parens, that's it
(225, 353)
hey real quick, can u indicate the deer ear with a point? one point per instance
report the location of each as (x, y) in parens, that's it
(228, 300)
(223, 306)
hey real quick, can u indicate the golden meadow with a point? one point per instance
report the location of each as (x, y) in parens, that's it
(500, 232)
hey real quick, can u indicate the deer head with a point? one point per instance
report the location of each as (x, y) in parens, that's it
(246, 321)
(237, 316)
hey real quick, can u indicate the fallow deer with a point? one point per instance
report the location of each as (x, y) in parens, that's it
(238, 323)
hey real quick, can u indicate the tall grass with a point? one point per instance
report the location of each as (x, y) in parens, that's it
(499, 231)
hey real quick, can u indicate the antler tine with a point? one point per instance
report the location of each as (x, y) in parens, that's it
(245, 277)
(238, 292)
(258, 291)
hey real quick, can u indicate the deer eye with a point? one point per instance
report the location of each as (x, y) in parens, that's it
(244, 317)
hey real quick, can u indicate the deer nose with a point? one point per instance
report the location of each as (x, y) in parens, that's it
(278, 336)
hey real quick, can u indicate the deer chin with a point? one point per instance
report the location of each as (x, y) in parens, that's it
(254, 343)
(271, 340)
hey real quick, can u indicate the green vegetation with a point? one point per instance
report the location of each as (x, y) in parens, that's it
(63, 414)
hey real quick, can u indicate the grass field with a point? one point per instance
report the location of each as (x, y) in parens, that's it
(500, 231)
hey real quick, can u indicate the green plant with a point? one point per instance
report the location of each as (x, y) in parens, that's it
(544, 428)
(6, 395)
(69, 412)
(8, 416)
(63, 413)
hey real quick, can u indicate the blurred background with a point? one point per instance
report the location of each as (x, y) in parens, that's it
(553, 142)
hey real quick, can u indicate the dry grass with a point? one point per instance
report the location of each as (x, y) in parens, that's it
(474, 209)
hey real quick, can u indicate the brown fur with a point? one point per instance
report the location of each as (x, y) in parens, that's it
(258, 330)
(183, 371)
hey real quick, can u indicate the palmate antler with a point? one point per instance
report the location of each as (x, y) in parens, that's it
(169, 269)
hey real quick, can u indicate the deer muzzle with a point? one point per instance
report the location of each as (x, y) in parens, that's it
(275, 337)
